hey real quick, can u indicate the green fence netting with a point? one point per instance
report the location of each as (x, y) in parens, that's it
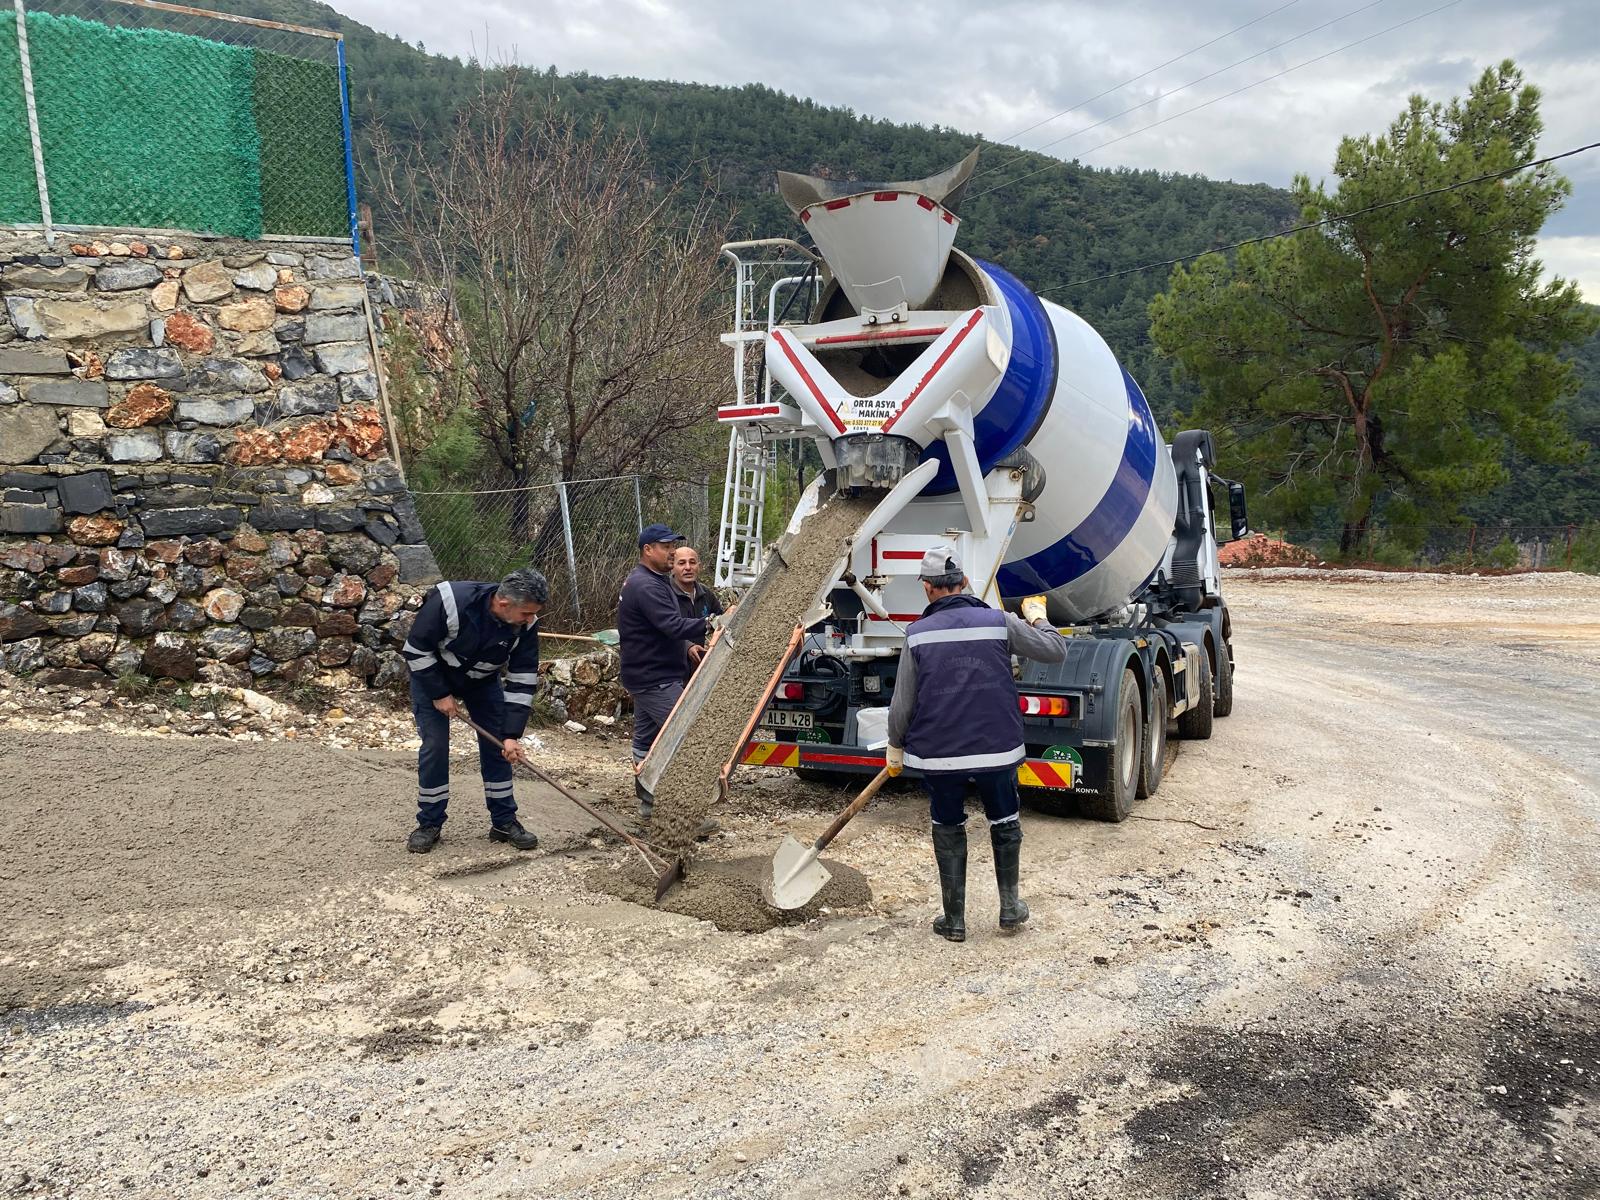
(148, 128)
(298, 113)
(19, 194)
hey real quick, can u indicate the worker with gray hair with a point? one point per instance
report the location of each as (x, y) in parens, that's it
(954, 717)
(464, 637)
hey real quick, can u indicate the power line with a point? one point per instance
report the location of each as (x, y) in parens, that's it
(1174, 91)
(1218, 99)
(1011, 137)
(1371, 208)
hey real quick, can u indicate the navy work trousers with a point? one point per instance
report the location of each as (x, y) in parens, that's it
(947, 796)
(486, 705)
(651, 708)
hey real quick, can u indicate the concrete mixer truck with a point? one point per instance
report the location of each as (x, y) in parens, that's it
(993, 420)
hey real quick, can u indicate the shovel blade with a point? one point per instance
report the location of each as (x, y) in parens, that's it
(796, 875)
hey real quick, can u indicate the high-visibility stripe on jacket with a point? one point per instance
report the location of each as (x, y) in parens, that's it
(456, 644)
(966, 716)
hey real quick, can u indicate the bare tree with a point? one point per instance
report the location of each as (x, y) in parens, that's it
(588, 291)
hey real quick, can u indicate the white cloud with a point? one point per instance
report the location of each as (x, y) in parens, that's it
(1574, 258)
(1002, 66)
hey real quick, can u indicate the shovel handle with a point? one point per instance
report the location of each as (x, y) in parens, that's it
(856, 805)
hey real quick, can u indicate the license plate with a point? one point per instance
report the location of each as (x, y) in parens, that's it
(786, 718)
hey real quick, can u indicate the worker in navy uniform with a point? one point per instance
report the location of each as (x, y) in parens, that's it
(955, 718)
(695, 598)
(465, 636)
(653, 630)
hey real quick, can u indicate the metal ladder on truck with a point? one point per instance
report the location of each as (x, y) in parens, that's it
(766, 272)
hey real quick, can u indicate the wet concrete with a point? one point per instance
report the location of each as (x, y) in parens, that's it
(687, 789)
(728, 893)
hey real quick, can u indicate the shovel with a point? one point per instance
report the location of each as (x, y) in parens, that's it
(666, 873)
(796, 875)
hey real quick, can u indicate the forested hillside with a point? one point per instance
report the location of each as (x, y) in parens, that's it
(1053, 228)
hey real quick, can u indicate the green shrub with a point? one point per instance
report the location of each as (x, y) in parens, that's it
(1586, 548)
(1502, 556)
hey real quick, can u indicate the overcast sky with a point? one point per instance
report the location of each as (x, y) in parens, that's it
(1002, 66)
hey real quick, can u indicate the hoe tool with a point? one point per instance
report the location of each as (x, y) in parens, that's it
(666, 873)
(796, 875)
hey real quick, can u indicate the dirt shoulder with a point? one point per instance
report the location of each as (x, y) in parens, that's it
(1347, 950)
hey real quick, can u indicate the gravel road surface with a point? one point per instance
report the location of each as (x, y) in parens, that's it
(1348, 951)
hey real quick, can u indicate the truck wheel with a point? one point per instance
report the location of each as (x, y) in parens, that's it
(1224, 702)
(1195, 724)
(1153, 763)
(1127, 758)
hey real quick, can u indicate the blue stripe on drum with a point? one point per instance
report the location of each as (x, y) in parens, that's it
(1104, 529)
(1018, 405)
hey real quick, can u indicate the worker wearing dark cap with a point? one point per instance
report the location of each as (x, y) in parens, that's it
(955, 718)
(655, 633)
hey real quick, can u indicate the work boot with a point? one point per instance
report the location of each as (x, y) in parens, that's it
(647, 802)
(423, 838)
(950, 852)
(513, 832)
(1006, 839)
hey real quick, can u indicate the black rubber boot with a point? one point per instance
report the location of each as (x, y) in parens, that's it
(514, 833)
(423, 838)
(647, 802)
(1006, 839)
(950, 852)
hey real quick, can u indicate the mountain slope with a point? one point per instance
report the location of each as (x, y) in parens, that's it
(1063, 225)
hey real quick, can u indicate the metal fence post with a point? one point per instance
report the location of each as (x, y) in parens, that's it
(349, 152)
(26, 63)
(638, 502)
(572, 555)
(705, 509)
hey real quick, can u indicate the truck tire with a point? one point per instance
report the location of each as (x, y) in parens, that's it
(1153, 762)
(1224, 701)
(1126, 758)
(1195, 724)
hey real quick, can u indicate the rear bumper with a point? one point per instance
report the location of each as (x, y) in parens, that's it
(851, 760)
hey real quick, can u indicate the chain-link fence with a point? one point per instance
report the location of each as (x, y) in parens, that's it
(118, 115)
(1496, 546)
(582, 534)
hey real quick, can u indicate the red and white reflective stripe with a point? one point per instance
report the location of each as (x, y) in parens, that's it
(904, 554)
(835, 205)
(926, 203)
(835, 339)
(1045, 706)
(900, 618)
(816, 392)
(765, 410)
(846, 760)
(939, 362)
(886, 195)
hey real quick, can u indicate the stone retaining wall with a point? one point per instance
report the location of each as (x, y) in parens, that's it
(194, 479)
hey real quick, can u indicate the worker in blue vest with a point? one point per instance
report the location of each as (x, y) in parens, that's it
(955, 717)
(464, 637)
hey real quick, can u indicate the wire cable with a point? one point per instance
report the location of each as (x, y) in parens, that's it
(1371, 208)
(1011, 137)
(1182, 88)
(1218, 99)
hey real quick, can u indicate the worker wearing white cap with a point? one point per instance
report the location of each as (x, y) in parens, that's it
(954, 717)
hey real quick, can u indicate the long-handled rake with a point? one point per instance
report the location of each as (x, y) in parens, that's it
(667, 872)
